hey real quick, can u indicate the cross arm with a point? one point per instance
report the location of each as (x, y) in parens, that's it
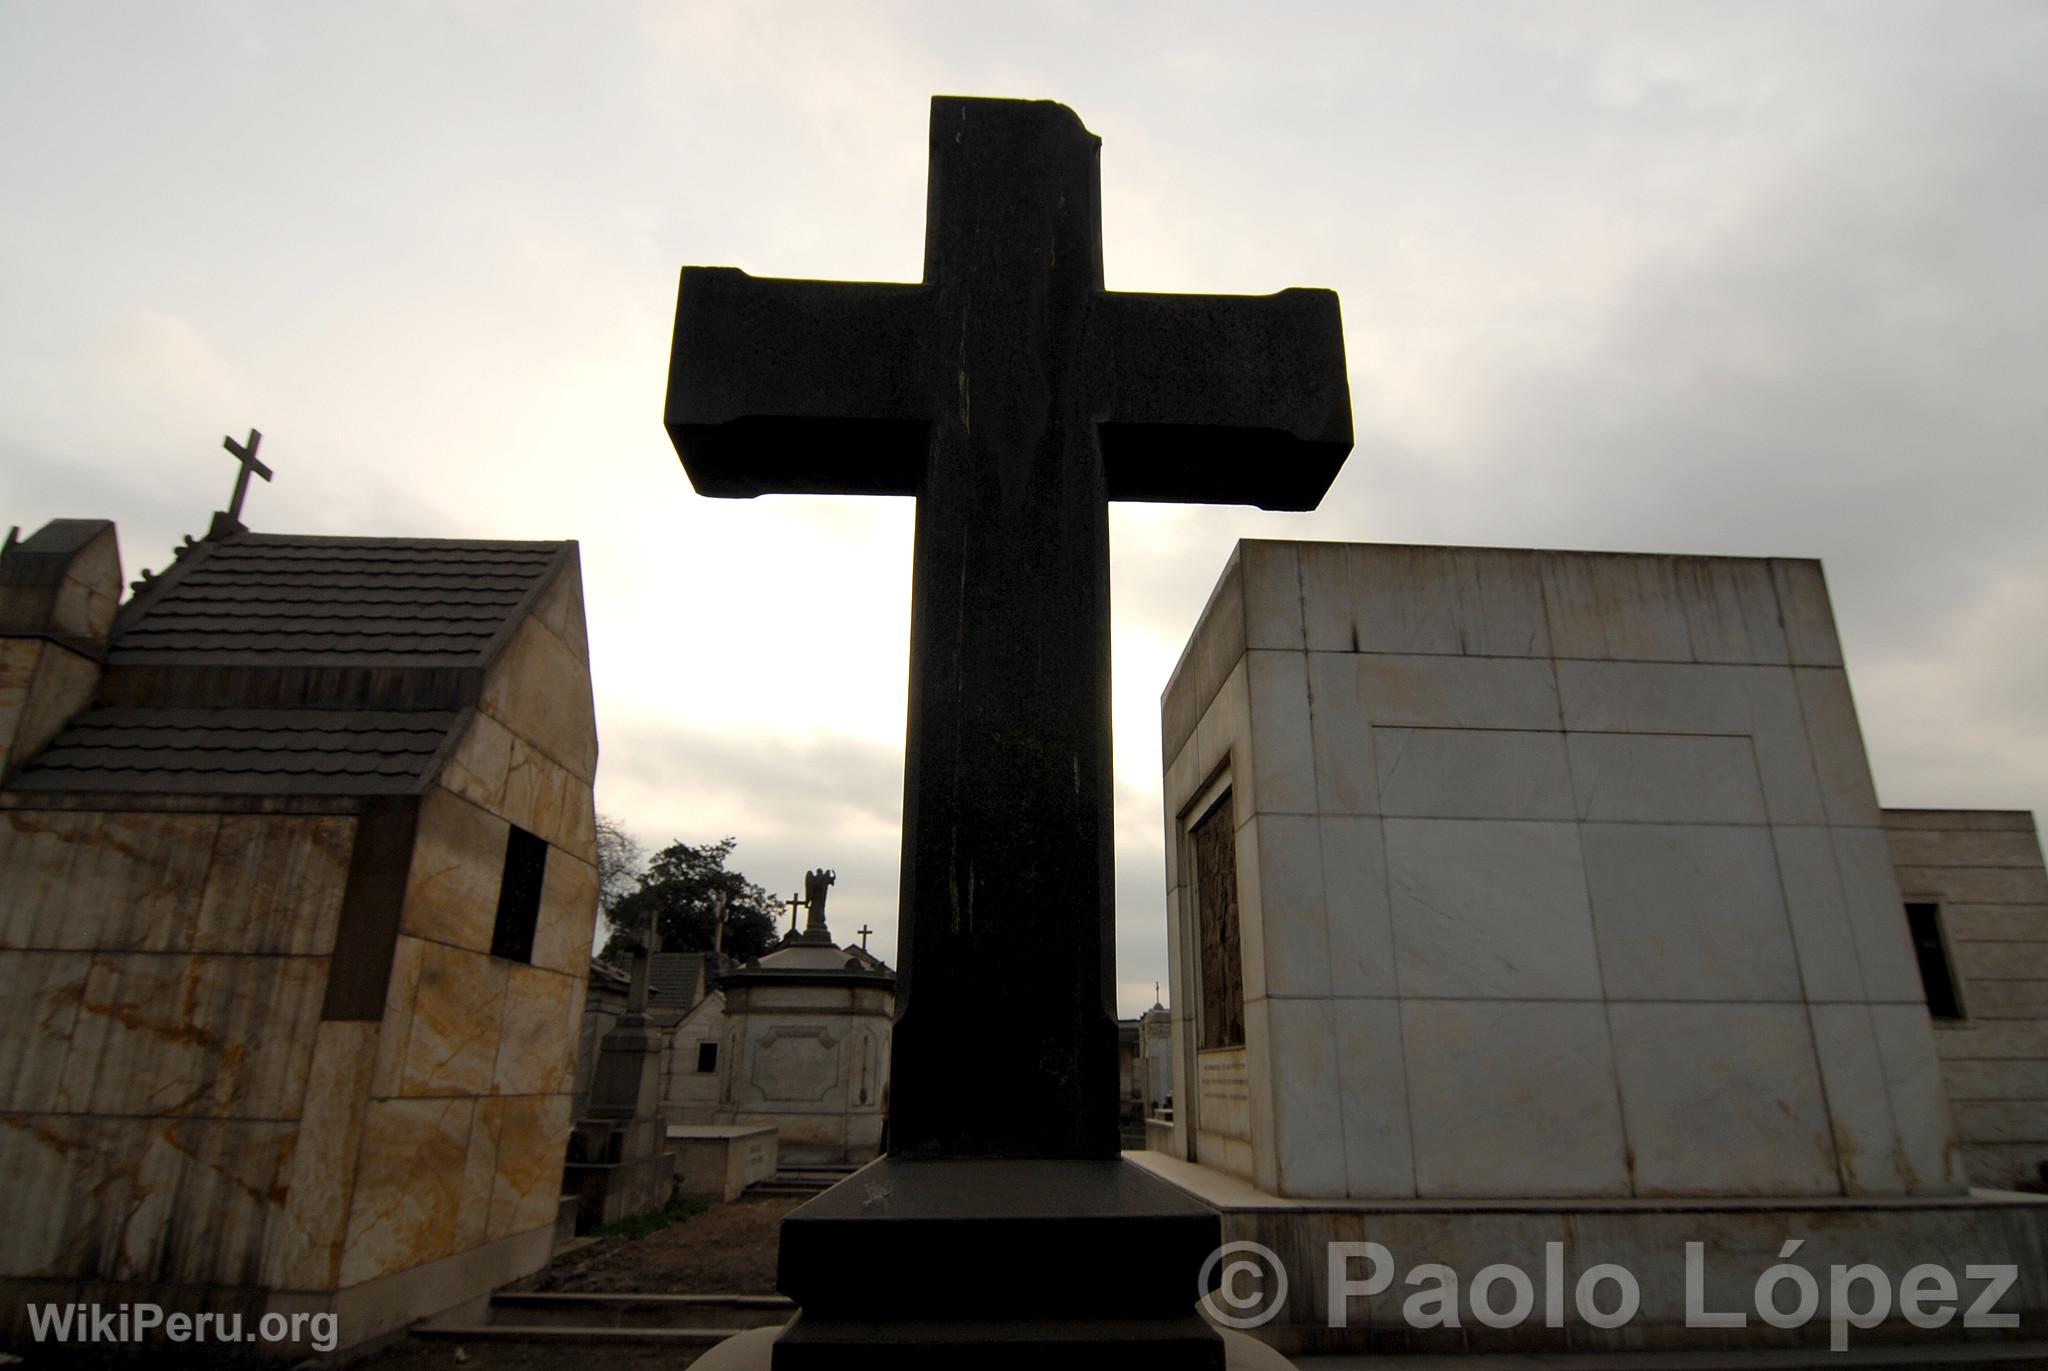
(1225, 399)
(797, 386)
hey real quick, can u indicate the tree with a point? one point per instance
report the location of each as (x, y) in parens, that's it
(619, 860)
(676, 892)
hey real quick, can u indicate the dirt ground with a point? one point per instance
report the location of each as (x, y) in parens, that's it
(729, 1249)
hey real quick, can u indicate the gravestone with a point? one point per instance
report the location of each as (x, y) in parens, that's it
(1013, 397)
(619, 1164)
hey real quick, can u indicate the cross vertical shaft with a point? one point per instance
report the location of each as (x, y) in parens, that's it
(1013, 397)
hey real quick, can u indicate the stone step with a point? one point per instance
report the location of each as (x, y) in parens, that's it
(688, 1343)
(552, 1309)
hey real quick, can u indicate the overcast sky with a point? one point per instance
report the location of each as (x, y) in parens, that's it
(1747, 279)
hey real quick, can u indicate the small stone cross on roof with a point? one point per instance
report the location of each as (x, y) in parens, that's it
(245, 453)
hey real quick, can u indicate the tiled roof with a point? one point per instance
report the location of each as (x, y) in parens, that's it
(273, 665)
(332, 601)
(672, 978)
(241, 751)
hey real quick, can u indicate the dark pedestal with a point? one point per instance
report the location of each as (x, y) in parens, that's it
(1074, 1264)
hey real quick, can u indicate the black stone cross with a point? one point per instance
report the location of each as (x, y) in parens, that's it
(1014, 397)
(863, 930)
(245, 453)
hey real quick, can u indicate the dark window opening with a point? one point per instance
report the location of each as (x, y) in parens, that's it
(707, 1056)
(1214, 839)
(1925, 922)
(526, 862)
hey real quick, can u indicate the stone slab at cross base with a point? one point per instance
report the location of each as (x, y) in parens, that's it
(997, 1262)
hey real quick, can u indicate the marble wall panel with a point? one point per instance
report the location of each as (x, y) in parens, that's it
(1373, 1098)
(1819, 912)
(537, 1045)
(1272, 596)
(1442, 773)
(479, 1176)
(458, 863)
(477, 768)
(388, 1073)
(1308, 1122)
(1512, 1098)
(560, 610)
(1360, 931)
(1223, 737)
(1808, 615)
(568, 915)
(1884, 945)
(275, 884)
(1215, 649)
(456, 1012)
(1723, 1099)
(105, 880)
(164, 1034)
(61, 685)
(1283, 772)
(42, 992)
(1457, 692)
(1346, 782)
(83, 1170)
(1659, 778)
(1490, 909)
(1731, 610)
(1839, 760)
(1482, 602)
(1859, 1106)
(18, 659)
(206, 1196)
(1618, 608)
(1689, 912)
(1324, 570)
(1292, 918)
(1927, 1148)
(408, 1186)
(540, 691)
(1663, 697)
(305, 1252)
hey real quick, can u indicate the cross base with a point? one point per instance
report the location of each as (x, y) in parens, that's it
(1080, 1264)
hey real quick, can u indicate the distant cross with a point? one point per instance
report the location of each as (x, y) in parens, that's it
(1013, 396)
(796, 902)
(863, 930)
(245, 453)
(644, 947)
(718, 902)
